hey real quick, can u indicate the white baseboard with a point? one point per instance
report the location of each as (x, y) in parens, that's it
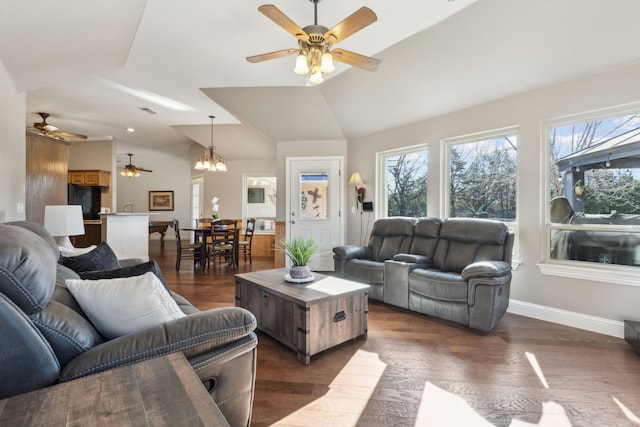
(568, 318)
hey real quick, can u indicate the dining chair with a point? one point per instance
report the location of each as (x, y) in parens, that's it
(185, 250)
(224, 241)
(245, 244)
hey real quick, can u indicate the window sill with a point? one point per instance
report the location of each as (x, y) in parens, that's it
(620, 275)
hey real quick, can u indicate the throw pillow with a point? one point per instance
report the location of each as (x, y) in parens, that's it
(123, 306)
(134, 270)
(101, 258)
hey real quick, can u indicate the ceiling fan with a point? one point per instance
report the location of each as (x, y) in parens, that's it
(132, 170)
(315, 42)
(51, 131)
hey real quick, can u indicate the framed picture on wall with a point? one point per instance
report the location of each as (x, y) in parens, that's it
(160, 200)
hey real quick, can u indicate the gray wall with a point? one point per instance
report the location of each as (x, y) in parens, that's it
(580, 298)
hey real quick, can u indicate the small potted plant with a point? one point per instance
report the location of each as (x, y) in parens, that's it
(300, 251)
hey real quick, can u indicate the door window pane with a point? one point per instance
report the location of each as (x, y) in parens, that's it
(314, 200)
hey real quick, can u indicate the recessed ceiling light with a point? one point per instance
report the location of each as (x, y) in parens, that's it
(131, 130)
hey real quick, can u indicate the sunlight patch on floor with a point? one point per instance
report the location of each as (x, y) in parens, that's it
(439, 408)
(348, 395)
(553, 415)
(626, 411)
(536, 367)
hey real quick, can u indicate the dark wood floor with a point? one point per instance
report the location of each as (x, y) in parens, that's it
(414, 370)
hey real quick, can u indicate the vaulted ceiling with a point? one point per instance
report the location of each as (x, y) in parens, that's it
(92, 64)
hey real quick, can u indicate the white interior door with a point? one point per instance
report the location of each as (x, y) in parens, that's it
(314, 205)
(196, 200)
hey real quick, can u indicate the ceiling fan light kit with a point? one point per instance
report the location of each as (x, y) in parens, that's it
(212, 161)
(315, 42)
(131, 170)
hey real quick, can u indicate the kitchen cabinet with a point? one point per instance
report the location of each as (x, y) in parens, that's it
(90, 177)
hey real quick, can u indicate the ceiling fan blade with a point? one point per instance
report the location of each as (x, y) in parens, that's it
(276, 15)
(70, 135)
(355, 59)
(138, 168)
(352, 24)
(271, 55)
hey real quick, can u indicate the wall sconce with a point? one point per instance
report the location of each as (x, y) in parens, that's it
(64, 221)
(578, 188)
(356, 181)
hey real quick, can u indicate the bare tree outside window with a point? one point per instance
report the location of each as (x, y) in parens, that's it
(406, 183)
(483, 178)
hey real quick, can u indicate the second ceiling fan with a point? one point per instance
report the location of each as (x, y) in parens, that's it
(131, 170)
(315, 42)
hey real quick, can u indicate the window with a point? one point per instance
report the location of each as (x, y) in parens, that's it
(403, 182)
(481, 176)
(593, 182)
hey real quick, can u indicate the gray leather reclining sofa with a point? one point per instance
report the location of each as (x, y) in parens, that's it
(45, 338)
(456, 269)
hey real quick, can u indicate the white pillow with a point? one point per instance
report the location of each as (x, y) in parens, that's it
(119, 307)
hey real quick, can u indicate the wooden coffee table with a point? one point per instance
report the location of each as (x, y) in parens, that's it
(307, 318)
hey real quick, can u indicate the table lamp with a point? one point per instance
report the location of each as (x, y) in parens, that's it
(63, 221)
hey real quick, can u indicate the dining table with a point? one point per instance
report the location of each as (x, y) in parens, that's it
(203, 231)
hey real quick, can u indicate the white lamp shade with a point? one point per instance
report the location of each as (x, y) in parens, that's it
(301, 65)
(356, 179)
(64, 220)
(327, 63)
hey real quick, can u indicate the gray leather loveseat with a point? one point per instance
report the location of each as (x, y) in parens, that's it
(46, 338)
(454, 269)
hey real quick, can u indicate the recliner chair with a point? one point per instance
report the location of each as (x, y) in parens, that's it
(46, 338)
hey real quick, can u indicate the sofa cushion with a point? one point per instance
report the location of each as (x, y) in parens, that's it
(68, 333)
(366, 271)
(425, 238)
(101, 258)
(27, 268)
(465, 241)
(438, 285)
(41, 231)
(122, 306)
(391, 236)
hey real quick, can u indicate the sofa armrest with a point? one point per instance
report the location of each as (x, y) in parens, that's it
(486, 269)
(422, 261)
(348, 252)
(193, 335)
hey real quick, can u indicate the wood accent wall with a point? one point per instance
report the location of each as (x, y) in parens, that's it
(46, 175)
(263, 245)
(281, 234)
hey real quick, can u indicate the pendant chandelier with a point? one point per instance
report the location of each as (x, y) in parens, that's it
(212, 161)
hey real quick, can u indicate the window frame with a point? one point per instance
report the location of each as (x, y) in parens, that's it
(608, 273)
(445, 176)
(381, 196)
(445, 163)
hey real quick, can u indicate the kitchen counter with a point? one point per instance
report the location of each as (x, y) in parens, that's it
(127, 234)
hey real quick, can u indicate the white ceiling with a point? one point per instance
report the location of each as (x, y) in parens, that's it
(80, 61)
